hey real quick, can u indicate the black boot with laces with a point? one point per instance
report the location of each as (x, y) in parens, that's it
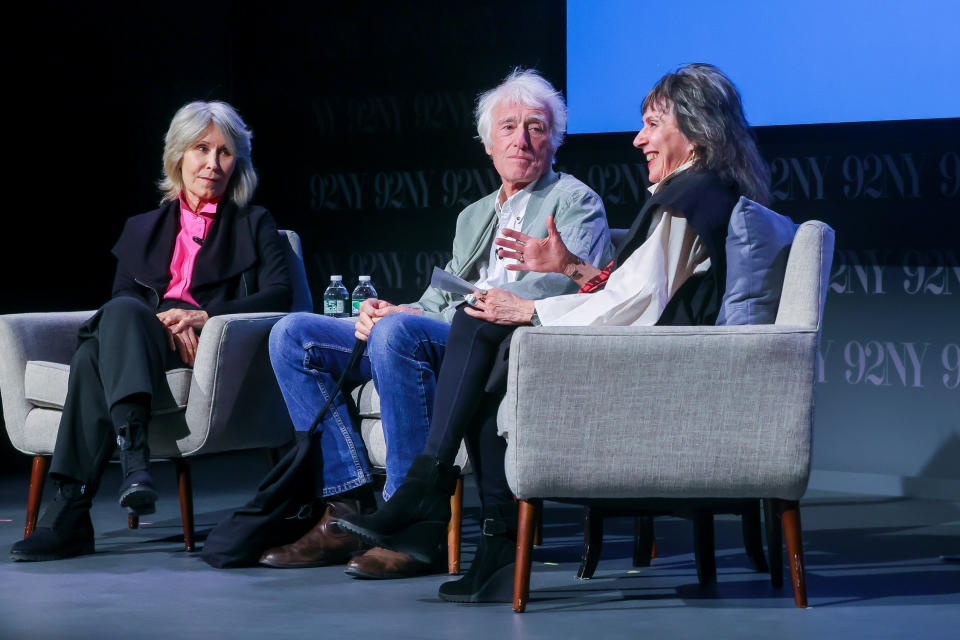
(137, 492)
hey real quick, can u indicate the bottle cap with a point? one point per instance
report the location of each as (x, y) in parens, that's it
(332, 278)
(364, 278)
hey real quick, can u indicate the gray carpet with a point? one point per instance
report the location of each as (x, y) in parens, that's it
(873, 570)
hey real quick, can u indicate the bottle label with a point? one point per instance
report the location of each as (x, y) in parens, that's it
(356, 307)
(332, 307)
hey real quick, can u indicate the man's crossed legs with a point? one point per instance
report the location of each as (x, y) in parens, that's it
(403, 355)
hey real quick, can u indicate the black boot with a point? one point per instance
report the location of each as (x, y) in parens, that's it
(137, 493)
(414, 519)
(490, 577)
(64, 531)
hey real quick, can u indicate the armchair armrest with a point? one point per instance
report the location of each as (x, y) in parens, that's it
(233, 383)
(659, 411)
(32, 336)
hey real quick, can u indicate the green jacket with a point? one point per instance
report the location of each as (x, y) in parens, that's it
(580, 218)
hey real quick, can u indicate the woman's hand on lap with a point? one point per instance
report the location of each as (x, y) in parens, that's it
(501, 307)
(182, 326)
(177, 320)
(185, 344)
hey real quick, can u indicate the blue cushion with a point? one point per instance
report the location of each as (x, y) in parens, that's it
(758, 243)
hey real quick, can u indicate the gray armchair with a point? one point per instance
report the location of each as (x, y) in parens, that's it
(677, 412)
(228, 401)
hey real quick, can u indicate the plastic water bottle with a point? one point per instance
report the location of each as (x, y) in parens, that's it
(363, 291)
(336, 298)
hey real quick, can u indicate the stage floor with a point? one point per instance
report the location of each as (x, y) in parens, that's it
(873, 570)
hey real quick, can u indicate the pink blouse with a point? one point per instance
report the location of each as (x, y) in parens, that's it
(193, 231)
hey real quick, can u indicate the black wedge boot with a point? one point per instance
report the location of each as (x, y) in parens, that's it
(414, 519)
(64, 531)
(490, 577)
(137, 493)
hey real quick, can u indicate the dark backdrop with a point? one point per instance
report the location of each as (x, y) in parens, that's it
(364, 140)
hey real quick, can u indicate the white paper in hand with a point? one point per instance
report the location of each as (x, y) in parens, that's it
(445, 281)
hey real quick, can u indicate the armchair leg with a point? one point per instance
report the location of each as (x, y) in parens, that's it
(790, 515)
(592, 542)
(752, 542)
(454, 528)
(38, 476)
(644, 543)
(521, 576)
(774, 543)
(185, 491)
(703, 544)
(538, 529)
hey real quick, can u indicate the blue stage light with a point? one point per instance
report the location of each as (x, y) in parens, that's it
(794, 62)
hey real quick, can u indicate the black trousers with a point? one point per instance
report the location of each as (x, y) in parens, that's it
(122, 352)
(464, 411)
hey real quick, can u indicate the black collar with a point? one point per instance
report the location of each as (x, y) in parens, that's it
(146, 245)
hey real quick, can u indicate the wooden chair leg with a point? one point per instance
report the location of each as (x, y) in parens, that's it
(592, 542)
(752, 538)
(774, 543)
(185, 491)
(643, 541)
(790, 516)
(38, 476)
(538, 527)
(133, 521)
(703, 544)
(524, 558)
(454, 528)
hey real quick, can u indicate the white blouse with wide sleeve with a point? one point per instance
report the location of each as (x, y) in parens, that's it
(638, 291)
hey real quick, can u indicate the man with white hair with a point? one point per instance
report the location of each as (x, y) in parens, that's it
(522, 124)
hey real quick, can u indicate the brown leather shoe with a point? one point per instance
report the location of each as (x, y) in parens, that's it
(326, 543)
(382, 564)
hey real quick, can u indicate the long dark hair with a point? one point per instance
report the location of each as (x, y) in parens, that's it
(709, 112)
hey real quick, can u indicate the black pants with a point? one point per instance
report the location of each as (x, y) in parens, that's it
(464, 410)
(122, 352)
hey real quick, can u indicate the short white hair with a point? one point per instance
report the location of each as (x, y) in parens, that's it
(523, 87)
(188, 125)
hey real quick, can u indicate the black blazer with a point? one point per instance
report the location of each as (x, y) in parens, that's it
(241, 268)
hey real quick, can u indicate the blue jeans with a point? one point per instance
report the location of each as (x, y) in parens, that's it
(403, 356)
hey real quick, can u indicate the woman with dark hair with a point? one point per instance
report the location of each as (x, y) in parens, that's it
(204, 252)
(701, 156)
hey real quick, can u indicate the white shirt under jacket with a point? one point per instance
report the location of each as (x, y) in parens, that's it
(638, 290)
(509, 216)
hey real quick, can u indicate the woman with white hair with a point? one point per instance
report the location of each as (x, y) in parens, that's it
(206, 251)
(701, 156)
